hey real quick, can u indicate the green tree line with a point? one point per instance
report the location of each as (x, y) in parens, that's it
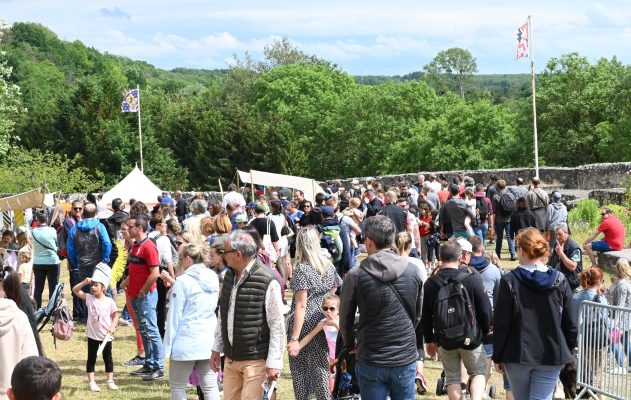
(294, 113)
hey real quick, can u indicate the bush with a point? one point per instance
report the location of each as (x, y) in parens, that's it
(585, 216)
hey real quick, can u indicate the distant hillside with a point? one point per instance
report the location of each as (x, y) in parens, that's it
(499, 85)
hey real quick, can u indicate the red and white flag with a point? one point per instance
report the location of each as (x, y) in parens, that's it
(522, 41)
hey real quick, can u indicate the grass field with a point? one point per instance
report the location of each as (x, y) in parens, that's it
(71, 355)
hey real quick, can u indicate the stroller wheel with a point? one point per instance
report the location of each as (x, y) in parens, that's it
(492, 391)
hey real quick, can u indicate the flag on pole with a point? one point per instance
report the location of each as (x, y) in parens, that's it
(130, 101)
(522, 41)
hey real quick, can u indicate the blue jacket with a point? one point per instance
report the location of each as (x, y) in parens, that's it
(191, 321)
(86, 226)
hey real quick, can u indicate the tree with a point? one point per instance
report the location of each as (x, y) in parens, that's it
(451, 69)
(10, 106)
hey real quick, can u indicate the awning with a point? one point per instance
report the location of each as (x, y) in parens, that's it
(308, 186)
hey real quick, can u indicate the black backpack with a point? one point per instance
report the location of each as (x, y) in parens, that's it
(483, 209)
(506, 203)
(455, 325)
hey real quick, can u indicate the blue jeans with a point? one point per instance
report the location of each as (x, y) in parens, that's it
(145, 312)
(79, 309)
(481, 231)
(534, 382)
(376, 383)
(500, 227)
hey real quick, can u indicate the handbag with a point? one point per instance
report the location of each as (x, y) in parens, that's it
(268, 245)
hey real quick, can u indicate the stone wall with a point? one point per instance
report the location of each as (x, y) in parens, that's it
(584, 177)
(608, 196)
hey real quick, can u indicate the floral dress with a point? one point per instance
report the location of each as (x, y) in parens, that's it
(310, 369)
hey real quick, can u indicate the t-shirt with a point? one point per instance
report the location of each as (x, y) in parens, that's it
(443, 196)
(261, 227)
(331, 339)
(614, 232)
(424, 229)
(99, 316)
(296, 216)
(142, 257)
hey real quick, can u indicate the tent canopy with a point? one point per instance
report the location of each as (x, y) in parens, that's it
(309, 186)
(134, 186)
(34, 198)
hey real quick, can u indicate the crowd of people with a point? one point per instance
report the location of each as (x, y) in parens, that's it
(206, 287)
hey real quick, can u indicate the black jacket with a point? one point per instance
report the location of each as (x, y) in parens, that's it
(453, 213)
(386, 334)
(535, 323)
(397, 215)
(373, 207)
(521, 219)
(475, 287)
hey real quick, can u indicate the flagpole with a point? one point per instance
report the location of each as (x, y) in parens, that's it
(534, 102)
(142, 164)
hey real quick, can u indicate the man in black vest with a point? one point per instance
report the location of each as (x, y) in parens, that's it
(567, 256)
(387, 290)
(254, 342)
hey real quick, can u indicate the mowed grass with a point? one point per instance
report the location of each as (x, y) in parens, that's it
(71, 356)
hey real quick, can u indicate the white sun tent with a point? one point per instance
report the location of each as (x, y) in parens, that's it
(134, 186)
(309, 186)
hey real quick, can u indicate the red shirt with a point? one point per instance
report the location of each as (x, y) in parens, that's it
(142, 258)
(424, 230)
(443, 196)
(614, 232)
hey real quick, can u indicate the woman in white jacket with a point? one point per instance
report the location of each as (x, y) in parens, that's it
(191, 322)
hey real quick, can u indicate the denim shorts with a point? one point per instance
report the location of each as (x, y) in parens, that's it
(601, 246)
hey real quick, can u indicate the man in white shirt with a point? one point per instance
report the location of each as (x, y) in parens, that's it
(233, 196)
(254, 342)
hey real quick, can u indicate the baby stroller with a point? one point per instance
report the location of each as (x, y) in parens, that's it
(44, 314)
(345, 384)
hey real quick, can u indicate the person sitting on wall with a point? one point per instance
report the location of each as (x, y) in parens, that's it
(614, 236)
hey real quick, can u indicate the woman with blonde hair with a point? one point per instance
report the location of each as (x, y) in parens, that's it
(207, 226)
(535, 327)
(191, 321)
(313, 277)
(622, 298)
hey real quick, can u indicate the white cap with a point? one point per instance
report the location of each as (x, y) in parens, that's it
(354, 182)
(465, 245)
(102, 274)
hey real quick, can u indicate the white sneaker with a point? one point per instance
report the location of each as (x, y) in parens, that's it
(618, 371)
(94, 387)
(111, 385)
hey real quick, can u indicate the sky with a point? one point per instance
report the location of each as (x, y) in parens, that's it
(362, 37)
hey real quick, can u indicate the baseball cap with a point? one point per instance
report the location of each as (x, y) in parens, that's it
(242, 219)
(355, 182)
(327, 211)
(465, 245)
(556, 196)
(261, 207)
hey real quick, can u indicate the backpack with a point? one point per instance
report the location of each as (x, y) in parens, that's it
(455, 324)
(506, 203)
(597, 332)
(63, 327)
(175, 257)
(62, 239)
(482, 207)
(331, 241)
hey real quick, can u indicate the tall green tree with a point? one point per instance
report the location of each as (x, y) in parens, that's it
(451, 69)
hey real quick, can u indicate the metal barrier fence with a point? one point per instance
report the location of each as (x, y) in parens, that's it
(603, 351)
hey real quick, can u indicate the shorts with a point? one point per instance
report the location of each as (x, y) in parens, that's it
(461, 234)
(473, 360)
(601, 246)
(488, 349)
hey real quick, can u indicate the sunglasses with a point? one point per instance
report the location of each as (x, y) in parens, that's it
(307, 206)
(179, 243)
(77, 208)
(325, 309)
(603, 214)
(223, 251)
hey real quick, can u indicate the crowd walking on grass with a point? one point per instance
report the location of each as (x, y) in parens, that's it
(357, 286)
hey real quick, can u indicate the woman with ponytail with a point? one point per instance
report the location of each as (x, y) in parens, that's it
(535, 327)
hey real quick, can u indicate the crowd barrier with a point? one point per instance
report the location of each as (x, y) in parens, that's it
(603, 351)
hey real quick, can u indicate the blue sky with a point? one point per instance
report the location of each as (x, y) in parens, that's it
(362, 37)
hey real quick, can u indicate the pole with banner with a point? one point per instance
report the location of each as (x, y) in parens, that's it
(131, 103)
(525, 49)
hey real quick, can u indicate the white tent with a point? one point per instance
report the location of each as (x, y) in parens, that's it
(309, 186)
(134, 186)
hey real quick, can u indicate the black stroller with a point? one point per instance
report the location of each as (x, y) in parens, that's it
(44, 314)
(345, 384)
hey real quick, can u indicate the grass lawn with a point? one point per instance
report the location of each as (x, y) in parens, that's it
(71, 356)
